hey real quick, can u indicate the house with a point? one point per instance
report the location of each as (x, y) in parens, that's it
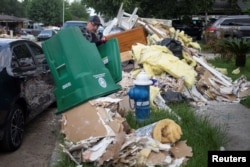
(8, 22)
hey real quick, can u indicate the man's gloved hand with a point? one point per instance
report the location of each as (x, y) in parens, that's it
(102, 41)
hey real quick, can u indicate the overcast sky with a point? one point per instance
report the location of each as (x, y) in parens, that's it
(91, 13)
(73, 0)
(65, 0)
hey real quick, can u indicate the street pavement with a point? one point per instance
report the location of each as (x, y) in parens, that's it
(235, 118)
(40, 138)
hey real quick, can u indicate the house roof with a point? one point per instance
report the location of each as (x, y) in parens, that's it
(8, 18)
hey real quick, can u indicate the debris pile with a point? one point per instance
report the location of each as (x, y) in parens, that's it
(97, 131)
(203, 82)
(104, 138)
(128, 151)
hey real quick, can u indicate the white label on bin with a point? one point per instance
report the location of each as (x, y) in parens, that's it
(105, 60)
(100, 75)
(66, 85)
(142, 103)
(102, 82)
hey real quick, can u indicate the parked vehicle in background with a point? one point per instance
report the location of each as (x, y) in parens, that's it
(26, 87)
(45, 34)
(194, 28)
(74, 23)
(25, 35)
(33, 28)
(234, 26)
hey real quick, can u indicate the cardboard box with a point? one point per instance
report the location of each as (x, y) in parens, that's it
(129, 37)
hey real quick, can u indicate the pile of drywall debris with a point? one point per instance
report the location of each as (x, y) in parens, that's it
(168, 52)
(202, 81)
(97, 132)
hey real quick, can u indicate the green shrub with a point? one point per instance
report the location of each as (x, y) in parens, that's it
(239, 47)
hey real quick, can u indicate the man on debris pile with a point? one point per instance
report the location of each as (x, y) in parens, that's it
(90, 31)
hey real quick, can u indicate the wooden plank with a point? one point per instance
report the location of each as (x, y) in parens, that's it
(129, 37)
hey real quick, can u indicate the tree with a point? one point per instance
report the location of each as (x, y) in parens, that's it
(11, 7)
(205, 7)
(151, 8)
(48, 12)
(78, 11)
(247, 9)
(108, 8)
(26, 5)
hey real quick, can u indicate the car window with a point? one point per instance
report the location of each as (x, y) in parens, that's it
(74, 24)
(228, 22)
(243, 22)
(38, 53)
(199, 23)
(47, 32)
(236, 22)
(23, 58)
(36, 49)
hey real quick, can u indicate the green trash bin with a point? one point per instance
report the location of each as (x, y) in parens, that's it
(110, 54)
(77, 69)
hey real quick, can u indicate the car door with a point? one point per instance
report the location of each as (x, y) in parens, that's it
(39, 58)
(46, 85)
(37, 87)
(244, 26)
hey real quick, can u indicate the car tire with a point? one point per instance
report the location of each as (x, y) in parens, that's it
(14, 130)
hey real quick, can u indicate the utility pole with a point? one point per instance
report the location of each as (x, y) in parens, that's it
(63, 13)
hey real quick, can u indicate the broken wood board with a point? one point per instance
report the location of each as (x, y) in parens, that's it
(213, 71)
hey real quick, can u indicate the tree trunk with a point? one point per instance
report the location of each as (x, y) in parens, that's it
(240, 60)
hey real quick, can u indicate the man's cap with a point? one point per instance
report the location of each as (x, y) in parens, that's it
(95, 19)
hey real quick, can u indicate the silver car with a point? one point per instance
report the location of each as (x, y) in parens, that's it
(46, 34)
(74, 23)
(234, 26)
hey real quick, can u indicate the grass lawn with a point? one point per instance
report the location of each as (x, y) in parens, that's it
(230, 66)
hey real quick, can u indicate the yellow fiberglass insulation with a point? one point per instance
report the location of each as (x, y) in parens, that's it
(136, 50)
(160, 59)
(152, 70)
(154, 91)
